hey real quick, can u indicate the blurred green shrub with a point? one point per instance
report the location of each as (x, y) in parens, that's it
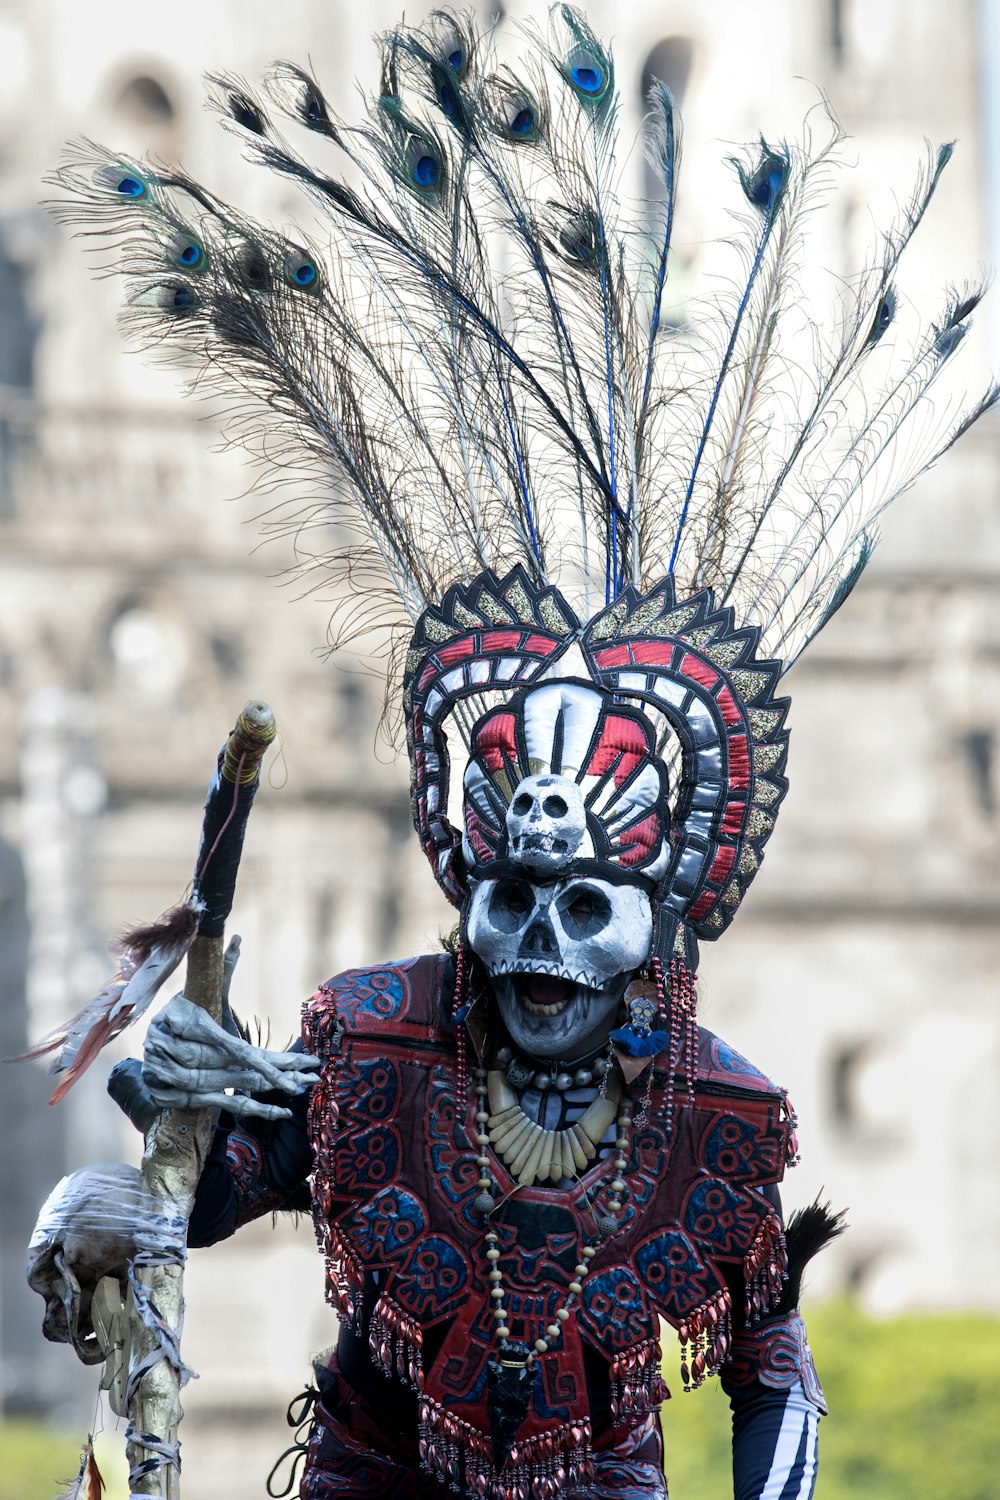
(38, 1463)
(913, 1403)
(33, 1459)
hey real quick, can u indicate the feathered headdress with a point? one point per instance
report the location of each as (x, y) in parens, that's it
(475, 350)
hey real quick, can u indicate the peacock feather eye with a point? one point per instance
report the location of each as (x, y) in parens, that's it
(254, 269)
(884, 314)
(448, 99)
(520, 117)
(187, 252)
(578, 240)
(451, 50)
(247, 113)
(122, 181)
(423, 165)
(765, 185)
(587, 74)
(301, 272)
(181, 299)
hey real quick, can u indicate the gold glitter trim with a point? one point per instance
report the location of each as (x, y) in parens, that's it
(438, 630)
(519, 602)
(750, 684)
(766, 757)
(759, 823)
(639, 620)
(408, 700)
(466, 618)
(701, 638)
(749, 863)
(725, 652)
(763, 721)
(609, 623)
(674, 622)
(765, 793)
(552, 616)
(414, 658)
(733, 893)
(489, 605)
(715, 921)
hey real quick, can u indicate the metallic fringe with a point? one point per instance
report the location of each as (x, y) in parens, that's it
(345, 1277)
(396, 1343)
(539, 1468)
(706, 1337)
(636, 1384)
(765, 1268)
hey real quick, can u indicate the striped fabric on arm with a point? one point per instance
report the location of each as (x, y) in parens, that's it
(774, 1444)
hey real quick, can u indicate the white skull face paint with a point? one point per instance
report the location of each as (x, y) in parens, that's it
(546, 822)
(559, 957)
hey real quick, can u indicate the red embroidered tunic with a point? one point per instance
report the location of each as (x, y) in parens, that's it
(394, 1185)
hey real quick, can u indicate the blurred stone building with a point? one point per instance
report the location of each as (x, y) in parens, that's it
(137, 614)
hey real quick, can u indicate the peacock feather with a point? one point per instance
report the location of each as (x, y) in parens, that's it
(470, 360)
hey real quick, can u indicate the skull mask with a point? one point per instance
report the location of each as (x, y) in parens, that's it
(559, 957)
(84, 1232)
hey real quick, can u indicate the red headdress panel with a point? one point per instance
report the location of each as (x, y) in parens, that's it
(571, 744)
(690, 661)
(490, 635)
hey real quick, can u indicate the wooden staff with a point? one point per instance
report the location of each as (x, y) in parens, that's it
(179, 1139)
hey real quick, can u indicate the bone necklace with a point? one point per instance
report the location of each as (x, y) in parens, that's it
(531, 1152)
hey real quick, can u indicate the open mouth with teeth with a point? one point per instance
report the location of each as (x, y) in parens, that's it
(544, 994)
(549, 1015)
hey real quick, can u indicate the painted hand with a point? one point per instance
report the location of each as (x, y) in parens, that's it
(190, 1062)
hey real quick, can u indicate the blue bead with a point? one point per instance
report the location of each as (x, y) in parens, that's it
(425, 171)
(523, 122)
(131, 187)
(588, 79)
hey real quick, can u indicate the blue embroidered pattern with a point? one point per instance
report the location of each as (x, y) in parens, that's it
(370, 992)
(673, 1270)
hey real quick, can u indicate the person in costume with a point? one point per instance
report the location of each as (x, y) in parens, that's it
(525, 1151)
(595, 543)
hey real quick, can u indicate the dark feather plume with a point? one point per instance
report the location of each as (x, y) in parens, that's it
(808, 1231)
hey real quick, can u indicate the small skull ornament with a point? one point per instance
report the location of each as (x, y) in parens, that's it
(85, 1231)
(559, 957)
(546, 823)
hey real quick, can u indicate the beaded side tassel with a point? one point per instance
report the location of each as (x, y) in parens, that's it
(636, 1384)
(705, 1338)
(765, 1268)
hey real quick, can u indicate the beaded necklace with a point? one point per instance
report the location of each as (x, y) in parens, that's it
(492, 1089)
